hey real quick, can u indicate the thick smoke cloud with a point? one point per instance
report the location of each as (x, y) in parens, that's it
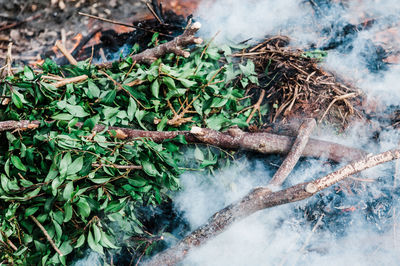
(279, 236)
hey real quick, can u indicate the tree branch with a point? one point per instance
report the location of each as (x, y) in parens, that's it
(294, 154)
(175, 46)
(46, 234)
(234, 139)
(262, 198)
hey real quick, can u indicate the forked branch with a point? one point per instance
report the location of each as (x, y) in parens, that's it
(262, 198)
(176, 46)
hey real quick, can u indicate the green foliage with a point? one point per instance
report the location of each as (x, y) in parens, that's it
(316, 54)
(69, 177)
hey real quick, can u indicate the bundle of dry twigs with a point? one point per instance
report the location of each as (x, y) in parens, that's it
(296, 85)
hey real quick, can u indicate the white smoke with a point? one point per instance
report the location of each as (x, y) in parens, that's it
(277, 236)
(241, 20)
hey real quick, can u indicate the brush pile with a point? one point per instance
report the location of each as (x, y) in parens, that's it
(88, 148)
(296, 86)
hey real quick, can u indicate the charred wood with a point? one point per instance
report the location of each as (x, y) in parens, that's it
(175, 46)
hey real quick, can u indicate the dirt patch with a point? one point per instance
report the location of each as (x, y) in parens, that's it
(39, 23)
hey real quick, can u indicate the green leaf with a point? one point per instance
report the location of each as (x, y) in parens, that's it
(16, 99)
(75, 166)
(4, 183)
(188, 83)
(155, 88)
(162, 124)
(76, 110)
(93, 89)
(28, 73)
(110, 97)
(16, 161)
(137, 182)
(139, 116)
(67, 212)
(7, 167)
(69, 188)
(249, 69)
(80, 241)
(96, 232)
(63, 117)
(131, 108)
(31, 211)
(219, 102)
(33, 193)
(93, 245)
(110, 112)
(149, 168)
(169, 82)
(66, 247)
(58, 230)
(198, 154)
(83, 208)
(115, 207)
(106, 242)
(206, 163)
(65, 162)
(216, 122)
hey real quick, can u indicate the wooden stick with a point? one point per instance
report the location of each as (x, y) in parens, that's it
(46, 234)
(117, 166)
(107, 20)
(154, 13)
(122, 24)
(256, 106)
(65, 52)
(12, 245)
(69, 80)
(262, 198)
(9, 59)
(63, 60)
(294, 155)
(15, 24)
(234, 138)
(175, 46)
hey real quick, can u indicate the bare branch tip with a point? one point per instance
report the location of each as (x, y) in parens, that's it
(196, 25)
(198, 40)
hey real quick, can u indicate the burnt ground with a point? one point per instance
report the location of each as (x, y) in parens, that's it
(41, 22)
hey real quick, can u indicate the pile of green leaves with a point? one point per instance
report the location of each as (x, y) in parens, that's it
(69, 178)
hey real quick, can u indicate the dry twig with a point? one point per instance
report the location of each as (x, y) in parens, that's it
(46, 234)
(118, 166)
(65, 52)
(175, 46)
(64, 82)
(256, 107)
(294, 155)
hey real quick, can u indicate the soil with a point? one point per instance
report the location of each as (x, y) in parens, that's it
(41, 22)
